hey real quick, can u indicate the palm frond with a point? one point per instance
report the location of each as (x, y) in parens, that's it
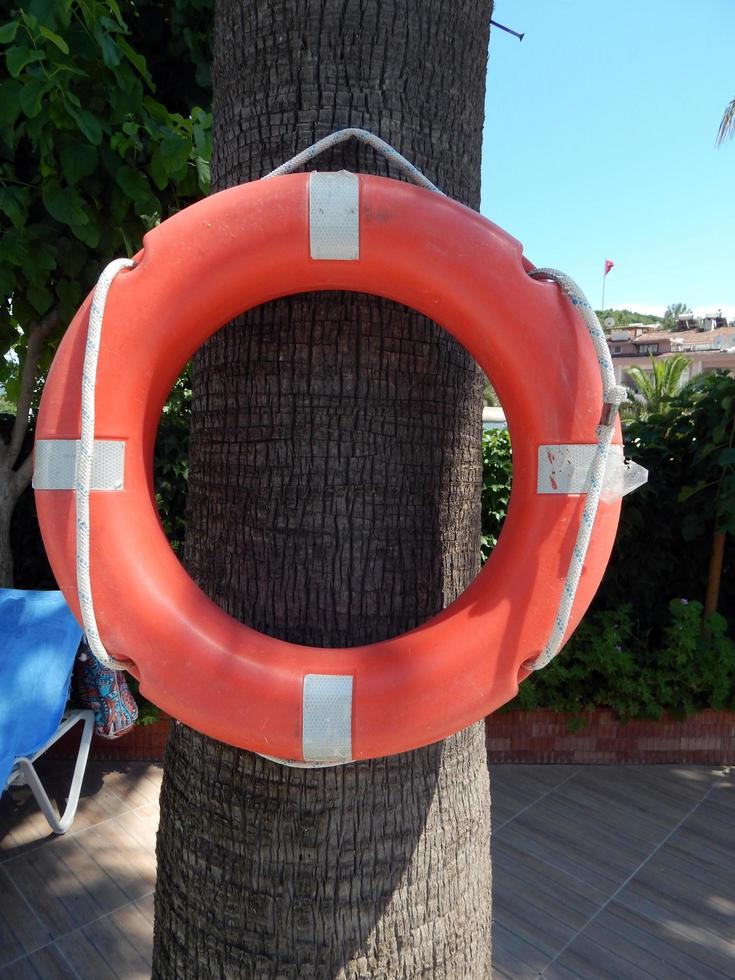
(655, 388)
(727, 126)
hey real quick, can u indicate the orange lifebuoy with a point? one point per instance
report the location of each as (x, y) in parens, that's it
(231, 252)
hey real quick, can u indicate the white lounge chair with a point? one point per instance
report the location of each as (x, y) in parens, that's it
(39, 638)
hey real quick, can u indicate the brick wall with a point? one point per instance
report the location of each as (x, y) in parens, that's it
(539, 736)
(144, 743)
(543, 736)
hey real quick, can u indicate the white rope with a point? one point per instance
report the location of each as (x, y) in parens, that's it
(613, 395)
(365, 136)
(84, 463)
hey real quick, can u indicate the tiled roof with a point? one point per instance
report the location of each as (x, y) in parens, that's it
(723, 337)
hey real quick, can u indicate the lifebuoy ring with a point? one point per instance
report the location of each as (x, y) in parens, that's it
(198, 270)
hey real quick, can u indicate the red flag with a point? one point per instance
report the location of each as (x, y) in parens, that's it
(608, 265)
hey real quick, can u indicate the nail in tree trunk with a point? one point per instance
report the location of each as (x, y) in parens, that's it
(334, 499)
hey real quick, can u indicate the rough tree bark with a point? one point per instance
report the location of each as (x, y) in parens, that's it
(334, 499)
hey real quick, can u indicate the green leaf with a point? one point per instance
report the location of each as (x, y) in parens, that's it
(13, 248)
(119, 205)
(14, 202)
(87, 233)
(111, 53)
(29, 19)
(78, 160)
(158, 111)
(135, 59)
(727, 457)
(55, 39)
(71, 258)
(64, 203)
(203, 173)
(115, 8)
(175, 152)
(9, 102)
(7, 285)
(19, 56)
(134, 183)
(87, 123)
(110, 25)
(40, 298)
(31, 97)
(8, 32)
(43, 252)
(52, 12)
(70, 296)
(158, 170)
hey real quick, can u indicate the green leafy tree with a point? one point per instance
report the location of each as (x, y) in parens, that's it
(643, 648)
(687, 667)
(672, 314)
(664, 542)
(714, 477)
(624, 317)
(496, 481)
(90, 159)
(653, 390)
(171, 461)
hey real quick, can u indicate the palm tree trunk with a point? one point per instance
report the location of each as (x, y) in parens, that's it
(335, 470)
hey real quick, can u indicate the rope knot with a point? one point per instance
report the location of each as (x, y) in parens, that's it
(616, 395)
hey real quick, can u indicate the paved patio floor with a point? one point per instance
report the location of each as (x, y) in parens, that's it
(599, 872)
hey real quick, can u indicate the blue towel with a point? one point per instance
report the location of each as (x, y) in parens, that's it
(39, 638)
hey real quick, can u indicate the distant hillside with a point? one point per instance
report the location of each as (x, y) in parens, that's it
(624, 317)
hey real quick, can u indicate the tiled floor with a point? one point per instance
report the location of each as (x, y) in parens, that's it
(64, 901)
(613, 872)
(599, 872)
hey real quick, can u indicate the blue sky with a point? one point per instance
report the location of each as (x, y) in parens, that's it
(599, 143)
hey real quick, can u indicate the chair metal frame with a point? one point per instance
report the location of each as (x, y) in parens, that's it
(24, 773)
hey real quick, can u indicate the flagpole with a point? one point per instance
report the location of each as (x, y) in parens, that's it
(605, 269)
(604, 277)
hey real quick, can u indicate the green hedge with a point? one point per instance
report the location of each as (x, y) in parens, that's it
(611, 662)
(643, 648)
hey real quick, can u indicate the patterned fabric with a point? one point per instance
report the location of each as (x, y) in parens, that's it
(106, 692)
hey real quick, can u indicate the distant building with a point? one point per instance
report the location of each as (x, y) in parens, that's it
(493, 418)
(714, 321)
(709, 343)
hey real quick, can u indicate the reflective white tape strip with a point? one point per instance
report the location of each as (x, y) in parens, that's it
(55, 464)
(567, 469)
(334, 216)
(327, 718)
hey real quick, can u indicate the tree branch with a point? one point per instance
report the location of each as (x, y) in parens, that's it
(37, 334)
(23, 475)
